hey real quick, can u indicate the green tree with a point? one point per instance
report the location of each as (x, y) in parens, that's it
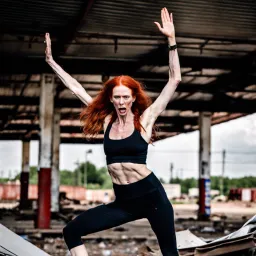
(33, 175)
(67, 177)
(3, 180)
(92, 173)
(186, 184)
(107, 182)
(244, 182)
(97, 177)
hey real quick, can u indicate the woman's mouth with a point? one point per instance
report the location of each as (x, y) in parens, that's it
(122, 110)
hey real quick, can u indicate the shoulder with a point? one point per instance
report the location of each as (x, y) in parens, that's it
(106, 122)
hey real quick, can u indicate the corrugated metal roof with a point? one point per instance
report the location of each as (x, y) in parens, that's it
(215, 19)
(30, 17)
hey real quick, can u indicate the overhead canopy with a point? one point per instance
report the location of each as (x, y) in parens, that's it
(91, 39)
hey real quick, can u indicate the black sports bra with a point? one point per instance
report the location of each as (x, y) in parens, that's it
(131, 149)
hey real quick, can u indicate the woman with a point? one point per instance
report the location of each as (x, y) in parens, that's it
(123, 110)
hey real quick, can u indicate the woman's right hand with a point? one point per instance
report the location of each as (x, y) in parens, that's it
(48, 50)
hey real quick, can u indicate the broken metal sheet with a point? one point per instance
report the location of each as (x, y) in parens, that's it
(185, 239)
(248, 227)
(227, 246)
(14, 245)
(242, 239)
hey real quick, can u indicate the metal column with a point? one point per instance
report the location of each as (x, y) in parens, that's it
(204, 165)
(46, 126)
(24, 176)
(55, 162)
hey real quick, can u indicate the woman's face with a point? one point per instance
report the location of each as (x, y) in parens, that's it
(122, 99)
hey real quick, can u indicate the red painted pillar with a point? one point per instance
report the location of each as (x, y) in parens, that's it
(44, 193)
(45, 158)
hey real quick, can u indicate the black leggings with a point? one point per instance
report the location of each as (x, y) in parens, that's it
(145, 198)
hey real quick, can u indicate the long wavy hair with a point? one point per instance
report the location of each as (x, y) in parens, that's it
(92, 117)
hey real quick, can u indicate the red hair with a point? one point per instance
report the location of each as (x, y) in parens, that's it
(93, 116)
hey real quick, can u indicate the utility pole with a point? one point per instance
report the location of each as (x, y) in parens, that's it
(171, 170)
(89, 151)
(181, 173)
(222, 172)
(77, 176)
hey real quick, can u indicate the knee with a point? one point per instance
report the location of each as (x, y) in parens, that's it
(71, 237)
(68, 231)
(65, 231)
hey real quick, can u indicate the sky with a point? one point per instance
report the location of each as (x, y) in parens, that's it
(237, 137)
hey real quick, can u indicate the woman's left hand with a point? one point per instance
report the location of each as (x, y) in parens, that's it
(167, 21)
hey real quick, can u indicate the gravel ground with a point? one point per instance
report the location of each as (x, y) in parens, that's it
(135, 238)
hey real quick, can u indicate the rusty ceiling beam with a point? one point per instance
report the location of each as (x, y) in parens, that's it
(193, 120)
(24, 65)
(179, 36)
(177, 127)
(64, 140)
(8, 116)
(219, 103)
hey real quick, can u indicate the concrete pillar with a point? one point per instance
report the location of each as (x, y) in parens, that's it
(24, 176)
(46, 126)
(204, 165)
(55, 162)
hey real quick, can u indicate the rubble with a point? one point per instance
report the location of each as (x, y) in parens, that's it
(240, 242)
(137, 238)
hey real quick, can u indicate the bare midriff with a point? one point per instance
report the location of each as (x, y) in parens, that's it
(126, 173)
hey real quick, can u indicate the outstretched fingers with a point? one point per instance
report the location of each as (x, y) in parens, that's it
(162, 16)
(166, 13)
(166, 18)
(47, 39)
(171, 18)
(48, 50)
(158, 25)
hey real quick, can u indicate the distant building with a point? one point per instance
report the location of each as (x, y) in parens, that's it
(172, 190)
(242, 194)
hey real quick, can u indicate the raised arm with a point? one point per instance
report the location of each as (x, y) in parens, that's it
(70, 82)
(165, 96)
